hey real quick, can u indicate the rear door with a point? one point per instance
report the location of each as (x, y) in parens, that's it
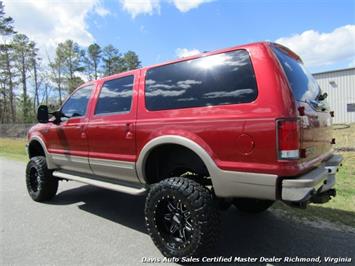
(111, 129)
(314, 112)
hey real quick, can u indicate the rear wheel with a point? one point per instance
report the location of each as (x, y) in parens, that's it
(181, 217)
(41, 185)
(252, 205)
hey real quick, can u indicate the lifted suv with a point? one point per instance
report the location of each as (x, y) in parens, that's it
(247, 125)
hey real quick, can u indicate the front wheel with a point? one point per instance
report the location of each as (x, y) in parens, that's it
(252, 205)
(181, 217)
(41, 185)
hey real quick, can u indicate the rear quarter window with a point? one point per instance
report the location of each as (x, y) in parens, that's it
(304, 87)
(226, 78)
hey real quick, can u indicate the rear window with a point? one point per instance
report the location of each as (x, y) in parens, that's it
(303, 85)
(220, 79)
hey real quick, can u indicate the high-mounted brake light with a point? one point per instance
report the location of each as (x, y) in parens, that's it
(288, 138)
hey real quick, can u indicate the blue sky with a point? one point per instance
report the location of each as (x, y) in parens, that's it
(321, 31)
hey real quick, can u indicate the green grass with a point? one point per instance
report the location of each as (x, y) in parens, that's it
(13, 148)
(340, 209)
(345, 138)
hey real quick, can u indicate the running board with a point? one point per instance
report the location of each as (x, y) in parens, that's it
(102, 184)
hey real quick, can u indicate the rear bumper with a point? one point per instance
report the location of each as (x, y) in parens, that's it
(315, 186)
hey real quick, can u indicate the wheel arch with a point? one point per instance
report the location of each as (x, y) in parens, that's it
(37, 147)
(180, 141)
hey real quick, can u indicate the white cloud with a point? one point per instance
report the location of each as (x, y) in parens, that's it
(138, 7)
(186, 5)
(318, 49)
(222, 94)
(51, 22)
(184, 52)
(101, 11)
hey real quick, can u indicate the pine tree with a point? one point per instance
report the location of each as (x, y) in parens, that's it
(131, 60)
(73, 58)
(22, 55)
(93, 60)
(34, 61)
(57, 73)
(6, 68)
(113, 62)
(6, 23)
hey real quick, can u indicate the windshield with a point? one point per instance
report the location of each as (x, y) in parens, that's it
(303, 85)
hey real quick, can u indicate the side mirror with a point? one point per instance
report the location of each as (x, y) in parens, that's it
(58, 116)
(42, 114)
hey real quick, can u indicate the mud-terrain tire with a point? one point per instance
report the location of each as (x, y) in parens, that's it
(182, 218)
(252, 205)
(41, 185)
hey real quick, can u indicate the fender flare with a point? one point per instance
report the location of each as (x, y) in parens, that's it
(173, 139)
(50, 163)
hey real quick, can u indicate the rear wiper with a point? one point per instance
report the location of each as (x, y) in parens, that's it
(322, 97)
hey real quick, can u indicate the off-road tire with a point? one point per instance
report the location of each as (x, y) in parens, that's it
(252, 205)
(41, 185)
(197, 202)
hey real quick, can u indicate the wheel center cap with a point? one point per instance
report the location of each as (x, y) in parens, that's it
(177, 219)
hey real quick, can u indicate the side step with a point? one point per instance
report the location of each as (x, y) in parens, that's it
(102, 184)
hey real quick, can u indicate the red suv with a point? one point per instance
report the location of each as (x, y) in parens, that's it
(246, 125)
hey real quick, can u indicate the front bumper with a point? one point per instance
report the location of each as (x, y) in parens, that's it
(315, 186)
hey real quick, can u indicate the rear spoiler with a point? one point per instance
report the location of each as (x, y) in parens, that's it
(286, 51)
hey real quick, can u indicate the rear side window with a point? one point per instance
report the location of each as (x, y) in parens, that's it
(226, 78)
(115, 96)
(304, 86)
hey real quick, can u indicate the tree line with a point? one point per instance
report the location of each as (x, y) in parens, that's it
(27, 80)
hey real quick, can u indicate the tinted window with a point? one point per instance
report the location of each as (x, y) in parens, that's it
(212, 80)
(303, 85)
(115, 96)
(77, 103)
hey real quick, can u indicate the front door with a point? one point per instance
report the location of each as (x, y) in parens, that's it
(69, 145)
(111, 129)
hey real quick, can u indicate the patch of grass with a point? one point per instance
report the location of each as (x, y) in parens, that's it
(344, 137)
(12, 148)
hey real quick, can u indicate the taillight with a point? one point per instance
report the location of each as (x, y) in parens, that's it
(288, 138)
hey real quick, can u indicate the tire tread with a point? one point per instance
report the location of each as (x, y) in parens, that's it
(202, 200)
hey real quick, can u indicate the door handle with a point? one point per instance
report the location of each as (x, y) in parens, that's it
(129, 135)
(82, 131)
(129, 129)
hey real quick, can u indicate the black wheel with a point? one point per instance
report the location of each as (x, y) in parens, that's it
(252, 205)
(41, 185)
(181, 217)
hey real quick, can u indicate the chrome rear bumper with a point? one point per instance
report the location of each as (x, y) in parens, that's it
(315, 186)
